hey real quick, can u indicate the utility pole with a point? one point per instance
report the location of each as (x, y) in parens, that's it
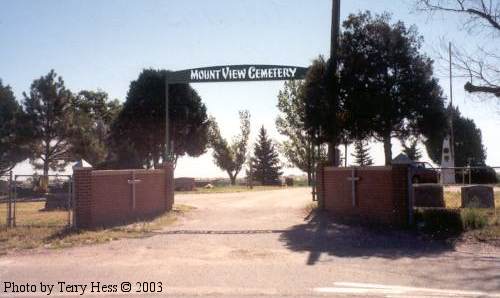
(452, 138)
(166, 157)
(334, 45)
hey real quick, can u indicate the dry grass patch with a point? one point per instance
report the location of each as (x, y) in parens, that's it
(48, 230)
(310, 208)
(482, 224)
(453, 199)
(32, 214)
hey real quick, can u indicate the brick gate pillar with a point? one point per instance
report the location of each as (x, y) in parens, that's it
(82, 177)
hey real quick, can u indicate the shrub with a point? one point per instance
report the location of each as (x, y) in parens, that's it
(441, 222)
(474, 219)
(486, 175)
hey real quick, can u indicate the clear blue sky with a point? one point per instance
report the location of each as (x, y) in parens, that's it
(105, 44)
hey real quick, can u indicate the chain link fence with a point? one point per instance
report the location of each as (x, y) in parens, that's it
(5, 195)
(36, 201)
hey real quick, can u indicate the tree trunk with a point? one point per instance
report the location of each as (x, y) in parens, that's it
(309, 177)
(232, 178)
(345, 155)
(388, 150)
(44, 183)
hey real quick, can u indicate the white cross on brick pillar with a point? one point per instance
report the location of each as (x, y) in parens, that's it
(133, 182)
(353, 180)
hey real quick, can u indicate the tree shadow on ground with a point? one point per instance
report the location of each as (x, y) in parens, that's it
(322, 235)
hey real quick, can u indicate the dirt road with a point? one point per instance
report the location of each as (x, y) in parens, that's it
(260, 243)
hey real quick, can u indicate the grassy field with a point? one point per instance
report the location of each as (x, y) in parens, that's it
(36, 228)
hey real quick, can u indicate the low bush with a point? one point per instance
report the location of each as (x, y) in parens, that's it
(441, 222)
(474, 219)
(486, 175)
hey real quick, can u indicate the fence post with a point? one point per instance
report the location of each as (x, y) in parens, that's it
(13, 218)
(9, 202)
(69, 202)
(470, 175)
(320, 186)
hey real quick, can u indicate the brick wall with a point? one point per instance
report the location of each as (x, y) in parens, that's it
(106, 198)
(381, 193)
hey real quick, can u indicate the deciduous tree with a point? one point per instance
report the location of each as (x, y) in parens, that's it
(230, 157)
(93, 114)
(299, 148)
(481, 18)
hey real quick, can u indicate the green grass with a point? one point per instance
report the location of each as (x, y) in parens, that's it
(37, 228)
(229, 189)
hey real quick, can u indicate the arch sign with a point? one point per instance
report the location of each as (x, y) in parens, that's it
(228, 73)
(237, 73)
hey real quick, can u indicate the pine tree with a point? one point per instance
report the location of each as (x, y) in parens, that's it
(411, 150)
(362, 154)
(265, 164)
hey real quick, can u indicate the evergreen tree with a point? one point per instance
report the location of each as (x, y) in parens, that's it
(138, 134)
(265, 164)
(14, 133)
(468, 142)
(362, 154)
(411, 150)
(48, 109)
(387, 85)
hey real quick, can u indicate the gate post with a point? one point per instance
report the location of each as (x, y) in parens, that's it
(9, 202)
(82, 193)
(320, 186)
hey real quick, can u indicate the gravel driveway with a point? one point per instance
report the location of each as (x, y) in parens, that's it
(263, 243)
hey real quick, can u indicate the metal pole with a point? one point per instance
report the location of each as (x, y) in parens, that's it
(133, 189)
(320, 198)
(335, 29)
(334, 45)
(167, 126)
(13, 218)
(9, 203)
(470, 175)
(68, 203)
(314, 167)
(452, 138)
